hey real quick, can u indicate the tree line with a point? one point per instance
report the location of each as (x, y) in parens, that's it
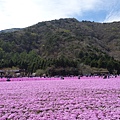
(62, 65)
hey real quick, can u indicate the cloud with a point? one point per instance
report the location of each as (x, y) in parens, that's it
(23, 13)
(55, 9)
(113, 12)
(112, 16)
(17, 13)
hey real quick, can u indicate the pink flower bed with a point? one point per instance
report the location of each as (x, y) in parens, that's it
(55, 99)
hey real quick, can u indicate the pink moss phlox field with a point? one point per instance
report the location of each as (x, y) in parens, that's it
(88, 98)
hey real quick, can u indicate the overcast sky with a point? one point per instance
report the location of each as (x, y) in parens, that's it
(23, 13)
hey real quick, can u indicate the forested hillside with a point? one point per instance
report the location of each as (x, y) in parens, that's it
(64, 46)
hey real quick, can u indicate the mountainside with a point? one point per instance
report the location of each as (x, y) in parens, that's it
(10, 30)
(75, 40)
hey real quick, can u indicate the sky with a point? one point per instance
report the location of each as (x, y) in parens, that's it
(24, 13)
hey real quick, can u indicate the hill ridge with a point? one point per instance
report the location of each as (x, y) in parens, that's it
(81, 42)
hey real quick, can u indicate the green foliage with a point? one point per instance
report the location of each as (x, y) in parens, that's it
(60, 46)
(40, 72)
